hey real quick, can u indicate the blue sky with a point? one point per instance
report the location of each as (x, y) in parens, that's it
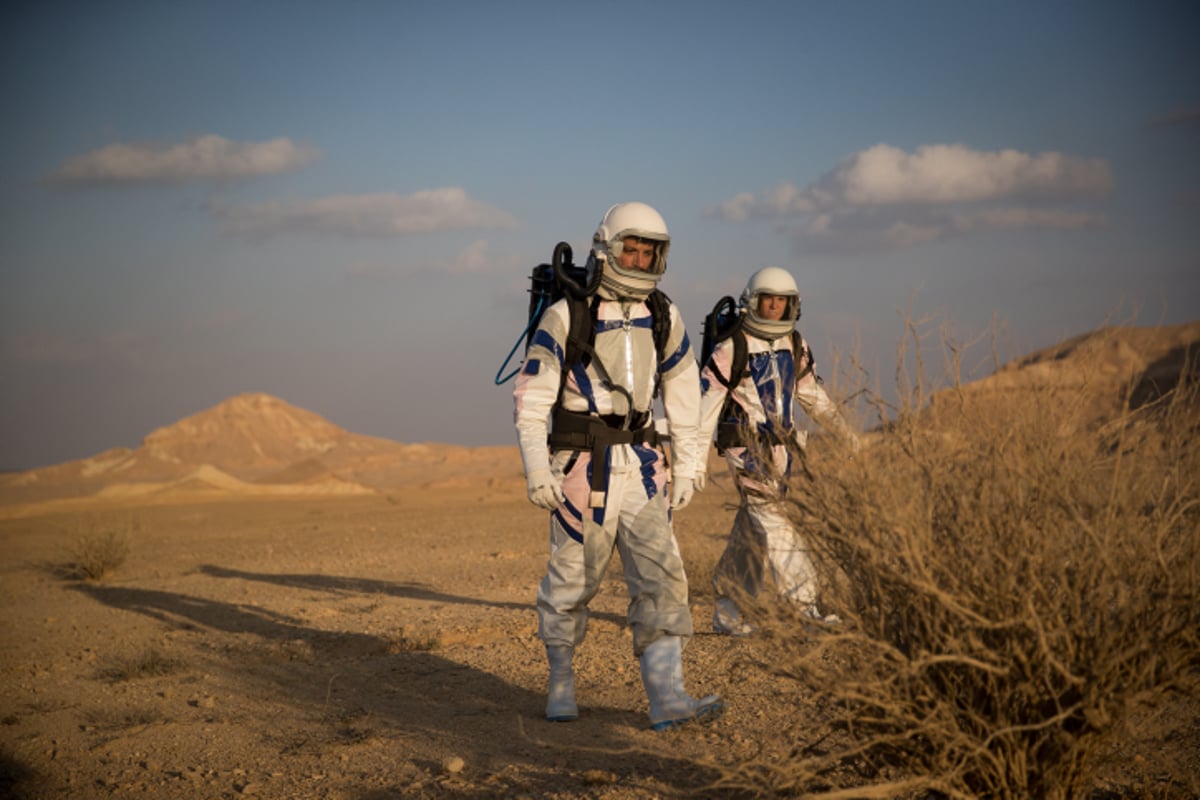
(340, 204)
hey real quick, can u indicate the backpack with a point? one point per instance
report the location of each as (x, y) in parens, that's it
(724, 322)
(562, 278)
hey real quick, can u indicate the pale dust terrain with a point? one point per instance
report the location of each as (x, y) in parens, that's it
(346, 648)
(309, 613)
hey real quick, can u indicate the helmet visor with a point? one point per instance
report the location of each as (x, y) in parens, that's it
(768, 306)
(639, 251)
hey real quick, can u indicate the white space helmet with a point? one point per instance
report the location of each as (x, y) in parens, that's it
(770, 280)
(621, 221)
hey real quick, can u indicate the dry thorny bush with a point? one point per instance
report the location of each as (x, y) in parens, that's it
(1016, 584)
(96, 550)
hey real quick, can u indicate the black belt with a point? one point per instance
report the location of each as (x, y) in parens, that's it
(594, 433)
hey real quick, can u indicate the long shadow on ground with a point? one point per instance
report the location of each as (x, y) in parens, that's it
(344, 585)
(350, 686)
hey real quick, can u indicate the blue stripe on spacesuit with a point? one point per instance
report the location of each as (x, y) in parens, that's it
(543, 339)
(563, 523)
(677, 356)
(648, 457)
(770, 395)
(585, 386)
(751, 462)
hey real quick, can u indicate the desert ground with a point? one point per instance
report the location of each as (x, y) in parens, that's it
(341, 648)
(307, 613)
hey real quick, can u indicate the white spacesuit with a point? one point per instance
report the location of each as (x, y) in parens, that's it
(761, 403)
(599, 467)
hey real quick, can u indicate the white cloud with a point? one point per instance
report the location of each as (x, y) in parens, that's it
(383, 214)
(883, 197)
(884, 175)
(208, 157)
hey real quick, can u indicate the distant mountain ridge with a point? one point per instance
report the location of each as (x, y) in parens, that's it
(256, 443)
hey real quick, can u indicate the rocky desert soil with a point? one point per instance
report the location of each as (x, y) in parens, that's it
(344, 648)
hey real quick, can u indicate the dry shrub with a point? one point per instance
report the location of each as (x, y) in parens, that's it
(1016, 584)
(151, 663)
(96, 550)
(418, 641)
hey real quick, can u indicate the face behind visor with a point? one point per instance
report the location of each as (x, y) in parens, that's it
(621, 222)
(770, 281)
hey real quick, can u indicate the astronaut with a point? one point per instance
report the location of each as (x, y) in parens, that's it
(600, 466)
(752, 415)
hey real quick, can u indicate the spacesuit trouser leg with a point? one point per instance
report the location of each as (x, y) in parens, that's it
(659, 616)
(580, 550)
(791, 568)
(650, 557)
(573, 573)
(738, 573)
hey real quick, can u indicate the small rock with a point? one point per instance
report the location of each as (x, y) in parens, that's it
(453, 765)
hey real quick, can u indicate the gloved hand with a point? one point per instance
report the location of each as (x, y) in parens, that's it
(682, 491)
(701, 480)
(543, 489)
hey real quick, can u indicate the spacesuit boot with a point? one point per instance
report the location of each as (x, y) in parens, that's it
(662, 674)
(560, 700)
(727, 619)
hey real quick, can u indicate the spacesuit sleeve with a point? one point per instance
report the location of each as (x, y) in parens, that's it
(712, 394)
(681, 396)
(817, 404)
(537, 386)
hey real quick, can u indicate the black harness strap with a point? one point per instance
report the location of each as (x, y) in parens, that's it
(572, 430)
(732, 430)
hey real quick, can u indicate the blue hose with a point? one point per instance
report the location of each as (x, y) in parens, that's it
(536, 315)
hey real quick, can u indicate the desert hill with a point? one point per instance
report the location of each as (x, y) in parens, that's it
(247, 434)
(1112, 370)
(252, 445)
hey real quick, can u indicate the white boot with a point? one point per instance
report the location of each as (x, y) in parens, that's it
(560, 700)
(727, 619)
(662, 675)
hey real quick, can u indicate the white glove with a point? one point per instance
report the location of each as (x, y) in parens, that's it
(681, 493)
(543, 489)
(701, 480)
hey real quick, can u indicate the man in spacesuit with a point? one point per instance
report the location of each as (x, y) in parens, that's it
(602, 471)
(752, 415)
